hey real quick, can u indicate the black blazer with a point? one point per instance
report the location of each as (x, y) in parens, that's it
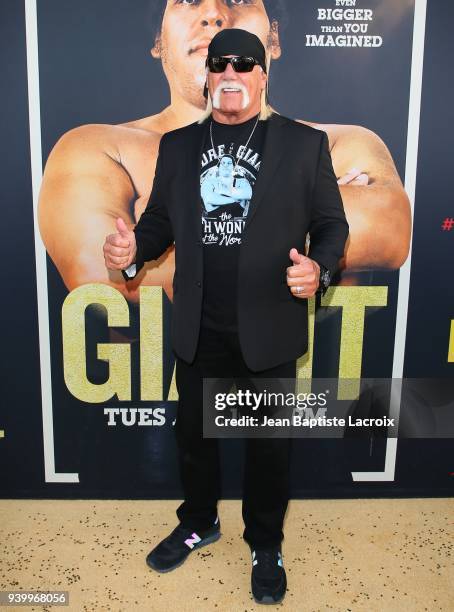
(296, 192)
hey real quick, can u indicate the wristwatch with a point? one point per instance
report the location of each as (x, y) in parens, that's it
(130, 271)
(324, 281)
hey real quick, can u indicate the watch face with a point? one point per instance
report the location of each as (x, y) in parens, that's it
(131, 270)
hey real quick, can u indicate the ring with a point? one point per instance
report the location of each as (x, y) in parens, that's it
(299, 289)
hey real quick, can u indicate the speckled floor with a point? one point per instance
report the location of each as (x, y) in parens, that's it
(360, 555)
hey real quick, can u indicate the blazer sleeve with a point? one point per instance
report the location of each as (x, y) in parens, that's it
(328, 227)
(153, 232)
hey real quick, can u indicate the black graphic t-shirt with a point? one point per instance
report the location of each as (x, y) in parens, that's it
(227, 179)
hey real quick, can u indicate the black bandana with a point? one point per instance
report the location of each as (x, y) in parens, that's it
(234, 41)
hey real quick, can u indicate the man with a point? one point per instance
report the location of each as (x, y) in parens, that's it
(239, 310)
(97, 173)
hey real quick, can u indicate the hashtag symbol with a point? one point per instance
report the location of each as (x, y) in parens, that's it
(447, 224)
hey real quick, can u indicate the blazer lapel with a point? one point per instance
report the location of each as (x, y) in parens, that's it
(194, 163)
(271, 156)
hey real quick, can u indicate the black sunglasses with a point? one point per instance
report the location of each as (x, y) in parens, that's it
(242, 63)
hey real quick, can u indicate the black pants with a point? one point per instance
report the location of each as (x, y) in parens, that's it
(267, 460)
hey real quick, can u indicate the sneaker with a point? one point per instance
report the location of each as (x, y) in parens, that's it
(176, 547)
(268, 579)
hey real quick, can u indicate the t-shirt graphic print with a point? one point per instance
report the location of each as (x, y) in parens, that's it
(228, 174)
(226, 193)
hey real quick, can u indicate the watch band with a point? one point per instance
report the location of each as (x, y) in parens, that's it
(324, 280)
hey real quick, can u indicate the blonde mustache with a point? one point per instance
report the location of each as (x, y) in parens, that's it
(234, 84)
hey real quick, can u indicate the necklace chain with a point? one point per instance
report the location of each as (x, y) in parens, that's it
(245, 146)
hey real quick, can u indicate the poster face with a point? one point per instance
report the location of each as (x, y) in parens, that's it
(113, 77)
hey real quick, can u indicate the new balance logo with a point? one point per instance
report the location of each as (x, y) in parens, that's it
(279, 561)
(193, 540)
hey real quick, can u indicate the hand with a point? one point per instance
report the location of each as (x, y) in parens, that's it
(120, 249)
(354, 177)
(304, 273)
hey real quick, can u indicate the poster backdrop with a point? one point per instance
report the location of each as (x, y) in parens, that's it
(88, 368)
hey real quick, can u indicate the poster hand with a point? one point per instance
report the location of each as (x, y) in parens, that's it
(354, 177)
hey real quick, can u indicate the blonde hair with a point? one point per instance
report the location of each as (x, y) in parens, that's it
(266, 110)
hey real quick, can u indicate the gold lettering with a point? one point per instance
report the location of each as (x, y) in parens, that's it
(353, 301)
(451, 343)
(304, 363)
(74, 348)
(151, 343)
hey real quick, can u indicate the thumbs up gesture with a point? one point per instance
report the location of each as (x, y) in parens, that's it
(120, 249)
(303, 276)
